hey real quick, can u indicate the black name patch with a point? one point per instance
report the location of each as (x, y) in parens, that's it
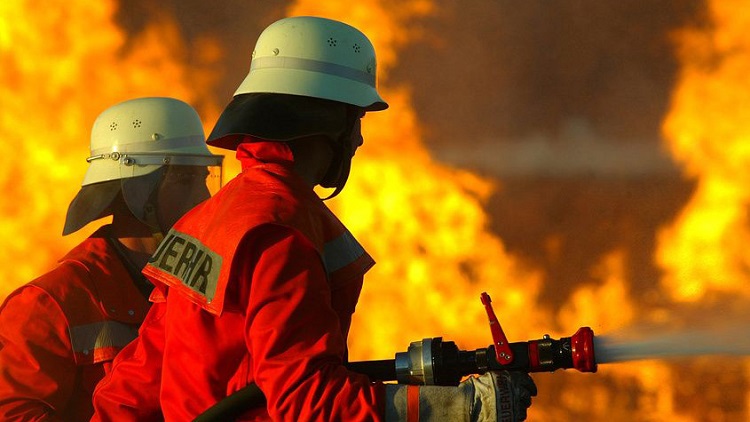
(187, 259)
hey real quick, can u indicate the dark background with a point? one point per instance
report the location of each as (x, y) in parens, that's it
(496, 69)
(558, 102)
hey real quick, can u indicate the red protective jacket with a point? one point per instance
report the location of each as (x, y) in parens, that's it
(60, 332)
(257, 284)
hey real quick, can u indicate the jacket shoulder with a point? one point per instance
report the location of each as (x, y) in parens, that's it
(95, 333)
(67, 281)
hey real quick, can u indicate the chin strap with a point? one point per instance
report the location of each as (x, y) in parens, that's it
(150, 215)
(152, 220)
(341, 164)
(141, 282)
(343, 175)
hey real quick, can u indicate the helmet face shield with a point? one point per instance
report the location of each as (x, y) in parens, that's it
(161, 197)
(138, 164)
(183, 187)
(192, 181)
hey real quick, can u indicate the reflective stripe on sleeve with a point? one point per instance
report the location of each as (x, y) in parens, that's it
(298, 63)
(341, 251)
(412, 403)
(99, 335)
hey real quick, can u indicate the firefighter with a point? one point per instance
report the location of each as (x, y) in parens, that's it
(259, 283)
(149, 164)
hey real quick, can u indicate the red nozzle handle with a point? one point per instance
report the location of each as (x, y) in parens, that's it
(503, 353)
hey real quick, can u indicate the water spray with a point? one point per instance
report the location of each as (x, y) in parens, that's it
(717, 338)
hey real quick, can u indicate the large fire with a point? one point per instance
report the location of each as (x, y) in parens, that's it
(61, 65)
(705, 250)
(423, 221)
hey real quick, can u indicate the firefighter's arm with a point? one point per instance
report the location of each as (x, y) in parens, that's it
(294, 335)
(37, 367)
(503, 396)
(130, 392)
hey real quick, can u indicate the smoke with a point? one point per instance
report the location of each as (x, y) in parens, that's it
(538, 63)
(576, 151)
(499, 78)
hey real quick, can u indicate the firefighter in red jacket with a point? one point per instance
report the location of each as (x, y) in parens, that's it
(259, 283)
(59, 333)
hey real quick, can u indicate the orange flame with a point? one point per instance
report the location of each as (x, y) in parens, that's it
(705, 250)
(61, 65)
(703, 253)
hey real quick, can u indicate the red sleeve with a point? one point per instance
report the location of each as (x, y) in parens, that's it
(294, 334)
(130, 392)
(37, 366)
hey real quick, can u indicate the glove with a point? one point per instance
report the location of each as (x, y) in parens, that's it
(495, 396)
(511, 392)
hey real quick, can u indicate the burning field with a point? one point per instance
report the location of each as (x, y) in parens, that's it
(655, 262)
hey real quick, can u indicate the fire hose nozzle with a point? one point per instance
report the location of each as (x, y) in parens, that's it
(574, 352)
(433, 361)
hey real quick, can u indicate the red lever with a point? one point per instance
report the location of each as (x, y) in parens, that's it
(502, 347)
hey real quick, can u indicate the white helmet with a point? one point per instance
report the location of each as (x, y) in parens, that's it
(315, 57)
(321, 67)
(138, 136)
(130, 141)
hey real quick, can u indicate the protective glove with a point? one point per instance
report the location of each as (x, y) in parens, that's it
(495, 396)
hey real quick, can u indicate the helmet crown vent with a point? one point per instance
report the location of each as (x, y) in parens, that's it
(136, 123)
(113, 126)
(319, 58)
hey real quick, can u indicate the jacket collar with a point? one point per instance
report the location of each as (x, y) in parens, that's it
(118, 296)
(253, 152)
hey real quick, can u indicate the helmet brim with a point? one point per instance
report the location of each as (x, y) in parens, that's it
(277, 117)
(91, 203)
(312, 83)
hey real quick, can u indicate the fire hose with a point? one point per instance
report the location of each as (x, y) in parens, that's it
(433, 361)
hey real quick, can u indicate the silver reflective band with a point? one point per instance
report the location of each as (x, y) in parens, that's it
(297, 63)
(148, 146)
(341, 252)
(173, 159)
(99, 335)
